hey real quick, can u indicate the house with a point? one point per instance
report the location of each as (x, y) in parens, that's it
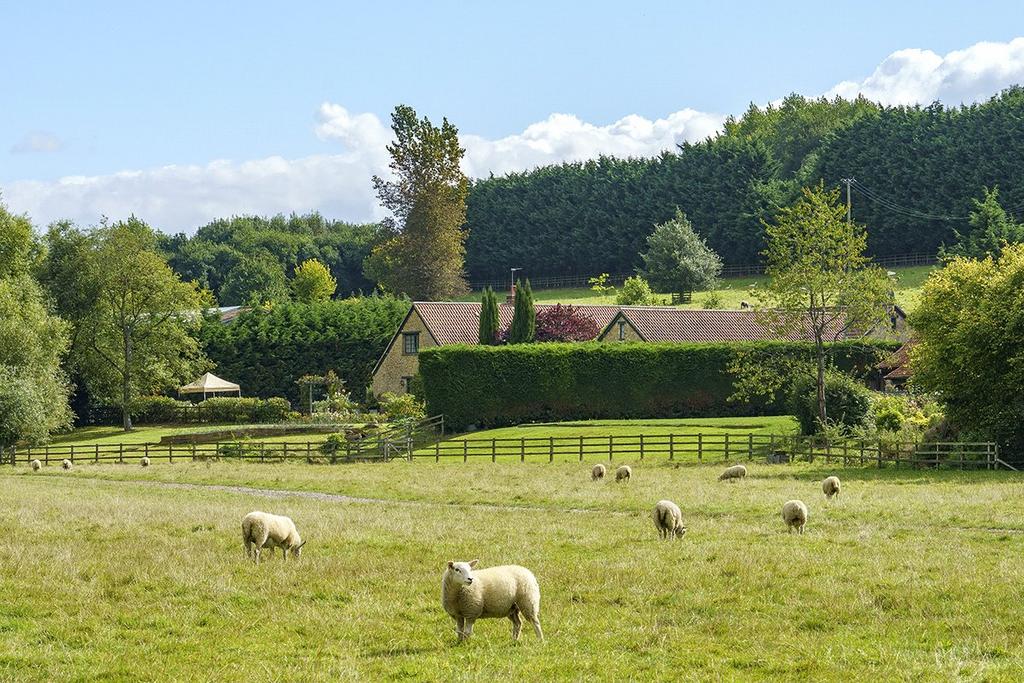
(894, 371)
(440, 323)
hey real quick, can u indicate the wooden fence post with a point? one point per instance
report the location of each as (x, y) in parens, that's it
(700, 448)
(750, 446)
(465, 450)
(145, 448)
(611, 448)
(879, 453)
(97, 457)
(771, 447)
(727, 446)
(551, 449)
(437, 451)
(641, 446)
(170, 453)
(671, 446)
(581, 448)
(494, 450)
(522, 449)
(120, 454)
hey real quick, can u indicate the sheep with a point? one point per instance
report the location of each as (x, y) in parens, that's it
(623, 473)
(36, 465)
(734, 472)
(794, 514)
(67, 464)
(264, 530)
(831, 486)
(493, 593)
(668, 519)
(597, 472)
(145, 461)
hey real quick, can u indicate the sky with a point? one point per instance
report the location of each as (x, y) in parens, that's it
(183, 112)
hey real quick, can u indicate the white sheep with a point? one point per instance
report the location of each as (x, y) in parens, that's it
(668, 519)
(36, 465)
(597, 472)
(734, 472)
(264, 530)
(145, 461)
(794, 514)
(831, 486)
(67, 464)
(493, 593)
(623, 473)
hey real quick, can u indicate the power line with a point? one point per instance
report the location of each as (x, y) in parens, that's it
(893, 206)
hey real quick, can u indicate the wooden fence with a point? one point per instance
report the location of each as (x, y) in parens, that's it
(419, 443)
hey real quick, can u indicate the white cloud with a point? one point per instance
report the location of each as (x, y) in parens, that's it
(338, 185)
(37, 141)
(916, 76)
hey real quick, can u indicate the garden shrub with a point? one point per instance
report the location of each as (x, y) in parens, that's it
(402, 407)
(635, 292)
(164, 410)
(505, 385)
(159, 410)
(847, 401)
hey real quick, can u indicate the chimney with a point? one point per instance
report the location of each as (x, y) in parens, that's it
(510, 298)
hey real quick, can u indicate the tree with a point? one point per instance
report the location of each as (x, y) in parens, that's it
(635, 292)
(313, 282)
(33, 387)
(969, 346)
(489, 322)
(678, 259)
(255, 281)
(565, 324)
(425, 255)
(137, 337)
(819, 281)
(524, 316)
(991, 230)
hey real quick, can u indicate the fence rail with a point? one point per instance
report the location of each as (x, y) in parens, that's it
(422, 441)
(728, 270)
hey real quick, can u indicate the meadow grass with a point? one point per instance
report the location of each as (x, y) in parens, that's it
(909, 575)
(730, 291)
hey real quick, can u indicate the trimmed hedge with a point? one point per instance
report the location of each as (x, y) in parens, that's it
(165, 410)
(494, 386)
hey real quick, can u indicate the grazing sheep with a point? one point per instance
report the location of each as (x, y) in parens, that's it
(597, 472)
(623, 473)
(794, 514)
(36, 465)
(831, 486)
(67, 464)
(493, 593)
(734, 472)
(145, 461)
(668, 519)
(264, 530)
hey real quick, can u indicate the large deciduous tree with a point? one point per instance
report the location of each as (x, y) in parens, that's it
(820, 284)
(33, 387)
(425, 256)
(138, 336)
(678, 259)
(969, 327)
(313, 282)
(255, 280)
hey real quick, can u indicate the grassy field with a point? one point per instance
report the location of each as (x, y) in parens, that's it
(909, 575)
(731, 291)
(151, 434)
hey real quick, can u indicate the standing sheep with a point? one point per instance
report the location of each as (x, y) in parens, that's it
(668, 519)
(597, 472)
(264, 530)
(36, 465)
(623, 473)
(145, 461)
(794, 514)
(831, 486)
(67, 464)
(493, 593)
(734, 472)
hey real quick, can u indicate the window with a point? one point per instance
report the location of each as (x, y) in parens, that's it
(406, 381)
(622, 330)
(410, 343)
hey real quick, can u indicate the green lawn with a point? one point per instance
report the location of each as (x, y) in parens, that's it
(731, 291)
(151, 434)
(779, 424)
(909, 575)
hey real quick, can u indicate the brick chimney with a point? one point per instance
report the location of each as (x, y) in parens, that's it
(510, 298)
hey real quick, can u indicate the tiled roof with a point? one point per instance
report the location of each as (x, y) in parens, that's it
(897, 365)
(458, 322)
(661, 323)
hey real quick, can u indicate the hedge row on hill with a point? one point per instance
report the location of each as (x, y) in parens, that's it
(494, 386)
(266, 351)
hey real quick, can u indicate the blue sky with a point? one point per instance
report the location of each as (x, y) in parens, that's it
(182, 111)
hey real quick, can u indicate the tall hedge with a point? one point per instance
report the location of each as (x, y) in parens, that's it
(503, 385)
(266, 351)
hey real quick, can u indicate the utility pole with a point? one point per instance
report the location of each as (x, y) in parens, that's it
(849, 204)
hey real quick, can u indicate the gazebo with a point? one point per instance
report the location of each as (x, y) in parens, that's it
(210, 384)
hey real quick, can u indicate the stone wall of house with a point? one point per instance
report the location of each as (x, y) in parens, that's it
(612, 335)
(396, 363)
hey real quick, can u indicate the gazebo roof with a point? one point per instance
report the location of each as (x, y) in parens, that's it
(209, 383)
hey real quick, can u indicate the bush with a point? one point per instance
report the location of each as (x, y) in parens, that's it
(847, 402)
(505, 385)
(160, 410)
(565, 323)
(402, 407)
(635, 292)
